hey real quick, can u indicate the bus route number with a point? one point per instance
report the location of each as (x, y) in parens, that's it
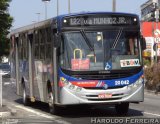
(122, 82)
(99, 21)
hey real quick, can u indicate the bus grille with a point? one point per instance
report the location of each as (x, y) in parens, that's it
(103, 76)
(102, 88)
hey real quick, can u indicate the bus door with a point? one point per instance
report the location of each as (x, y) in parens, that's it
(42, 61)
(30, 65)
(23, 63)
(15, 63)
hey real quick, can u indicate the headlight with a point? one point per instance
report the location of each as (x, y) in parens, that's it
(65, 82)
(137, 83)
(70, 86)
(78, 89)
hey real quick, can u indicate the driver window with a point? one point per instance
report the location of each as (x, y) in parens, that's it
(133, 46)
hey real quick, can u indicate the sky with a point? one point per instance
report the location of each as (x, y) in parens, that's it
(25, 12)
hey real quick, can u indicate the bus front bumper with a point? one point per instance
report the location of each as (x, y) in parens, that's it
(109, 96)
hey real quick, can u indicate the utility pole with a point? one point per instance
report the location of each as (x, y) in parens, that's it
(152, 53)
(157, 20)
(69, 7)
(114, 5)
(38, 16)
(57, 7)
(45, 2)
(45, 9)
(1, 96)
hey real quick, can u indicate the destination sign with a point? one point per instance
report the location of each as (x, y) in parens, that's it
(99, 20)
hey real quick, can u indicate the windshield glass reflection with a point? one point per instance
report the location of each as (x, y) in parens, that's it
(100, 50)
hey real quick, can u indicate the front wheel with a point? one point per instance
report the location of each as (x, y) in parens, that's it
(53, 109)
(26, 100)
(122, 109)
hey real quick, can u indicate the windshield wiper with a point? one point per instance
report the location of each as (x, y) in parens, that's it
(87, 40)
(117, 38)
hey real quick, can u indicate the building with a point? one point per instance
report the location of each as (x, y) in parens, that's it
(150, 23)
(148, 30)
(148, 10)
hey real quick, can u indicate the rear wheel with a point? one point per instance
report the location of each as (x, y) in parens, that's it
(122, 109)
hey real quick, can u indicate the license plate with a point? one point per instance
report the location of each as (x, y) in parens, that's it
(105, 95)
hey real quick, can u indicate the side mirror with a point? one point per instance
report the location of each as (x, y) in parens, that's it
(155, 47)
(57, 40)
(143, 43)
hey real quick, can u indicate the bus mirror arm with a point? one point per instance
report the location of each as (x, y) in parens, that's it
(57, 41)
(143, 43)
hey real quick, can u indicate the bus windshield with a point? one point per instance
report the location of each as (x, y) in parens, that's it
(100, 50)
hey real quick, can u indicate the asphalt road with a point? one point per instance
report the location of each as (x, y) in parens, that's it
(38, 111)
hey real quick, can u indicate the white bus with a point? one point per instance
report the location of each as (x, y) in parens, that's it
(84, 58)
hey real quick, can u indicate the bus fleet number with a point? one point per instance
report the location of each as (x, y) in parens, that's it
(122, 82)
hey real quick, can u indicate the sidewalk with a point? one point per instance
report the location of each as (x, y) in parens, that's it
(152, 92)
(6, 110)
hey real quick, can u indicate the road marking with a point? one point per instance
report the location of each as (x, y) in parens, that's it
(7, 83)
(151, 114)
(55, 118)
(42, 115)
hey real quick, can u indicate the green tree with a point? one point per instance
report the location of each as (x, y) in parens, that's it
(5, 24)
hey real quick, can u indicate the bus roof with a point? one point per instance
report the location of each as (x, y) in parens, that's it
(31, 27)
(90, 13)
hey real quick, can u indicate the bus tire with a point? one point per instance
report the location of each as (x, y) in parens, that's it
(26, 100)
(122, 109)
(53, 109)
